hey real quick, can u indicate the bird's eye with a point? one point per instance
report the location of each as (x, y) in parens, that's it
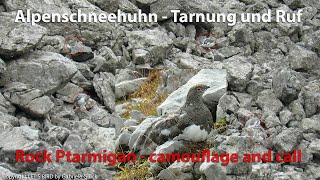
(198, 89)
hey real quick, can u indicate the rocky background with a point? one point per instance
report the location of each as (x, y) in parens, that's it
(64, 85)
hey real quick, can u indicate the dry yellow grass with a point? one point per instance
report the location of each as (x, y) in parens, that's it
(148, 107)
(134, 171)
(147, 92)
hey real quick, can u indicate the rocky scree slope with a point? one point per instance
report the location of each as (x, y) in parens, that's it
(272, 70)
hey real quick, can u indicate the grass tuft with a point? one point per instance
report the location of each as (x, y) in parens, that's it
(148, 92)
(196, 147)
(134, 171)
(221, 125)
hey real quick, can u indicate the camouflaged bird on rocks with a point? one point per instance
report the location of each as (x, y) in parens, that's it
(194, 112)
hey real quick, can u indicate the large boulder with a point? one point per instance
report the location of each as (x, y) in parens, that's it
(6, 106)
(189, 61)
(310, 98)
(172, 79)
(177, 170)
(8, 121)
(297, 109)
(27, 98)
(102, 118)
(155, 41)
(265, 41)
(41, 106)
(141, 129)
(99, 138)
(215, 78)
(106, 60)
(127, 6)
(125, 88)
(302, 59)
(287, 85)
(241, 35)
(104, 85)
(20, 138)
(239, 72)
(312, 41)
(315, 147)
(268, 100)
(57, 135)
(287, 140)
(126, 75)
(311, 125)
(227, 103)
(50, 6)
(213, 171)
(45, 71)
(69, 92)
(79, 52)
(18, 38)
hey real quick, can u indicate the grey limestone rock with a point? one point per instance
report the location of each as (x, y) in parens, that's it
(217, 89)
(69, 92)
(302, 59)
(58, 134)
(125, 88)
(104, 85)
(287, 140)
(34, 68)
(100, 138)
(189, 61)
(155, 41)
(8, 121)
(20, 138)
(6, 106)
(310, 98)
(239, 72)
(287, 85)
(18, 38)
(102, 118)
(2, 66)
(268, 100)
(108, 6)
(177, 170)
(30, 99)
(172, 79)
(311, 124)
(213, 171)
(127, 6)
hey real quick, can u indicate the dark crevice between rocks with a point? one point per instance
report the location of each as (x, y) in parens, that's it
(316, 159)
(3, 7)
(144, 8)
(92, 93)
(301, 70)
(9, 57)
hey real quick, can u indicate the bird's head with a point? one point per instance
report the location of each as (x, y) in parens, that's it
(198, 90)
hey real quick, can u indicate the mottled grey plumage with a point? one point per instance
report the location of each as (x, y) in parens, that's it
(194, 111)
